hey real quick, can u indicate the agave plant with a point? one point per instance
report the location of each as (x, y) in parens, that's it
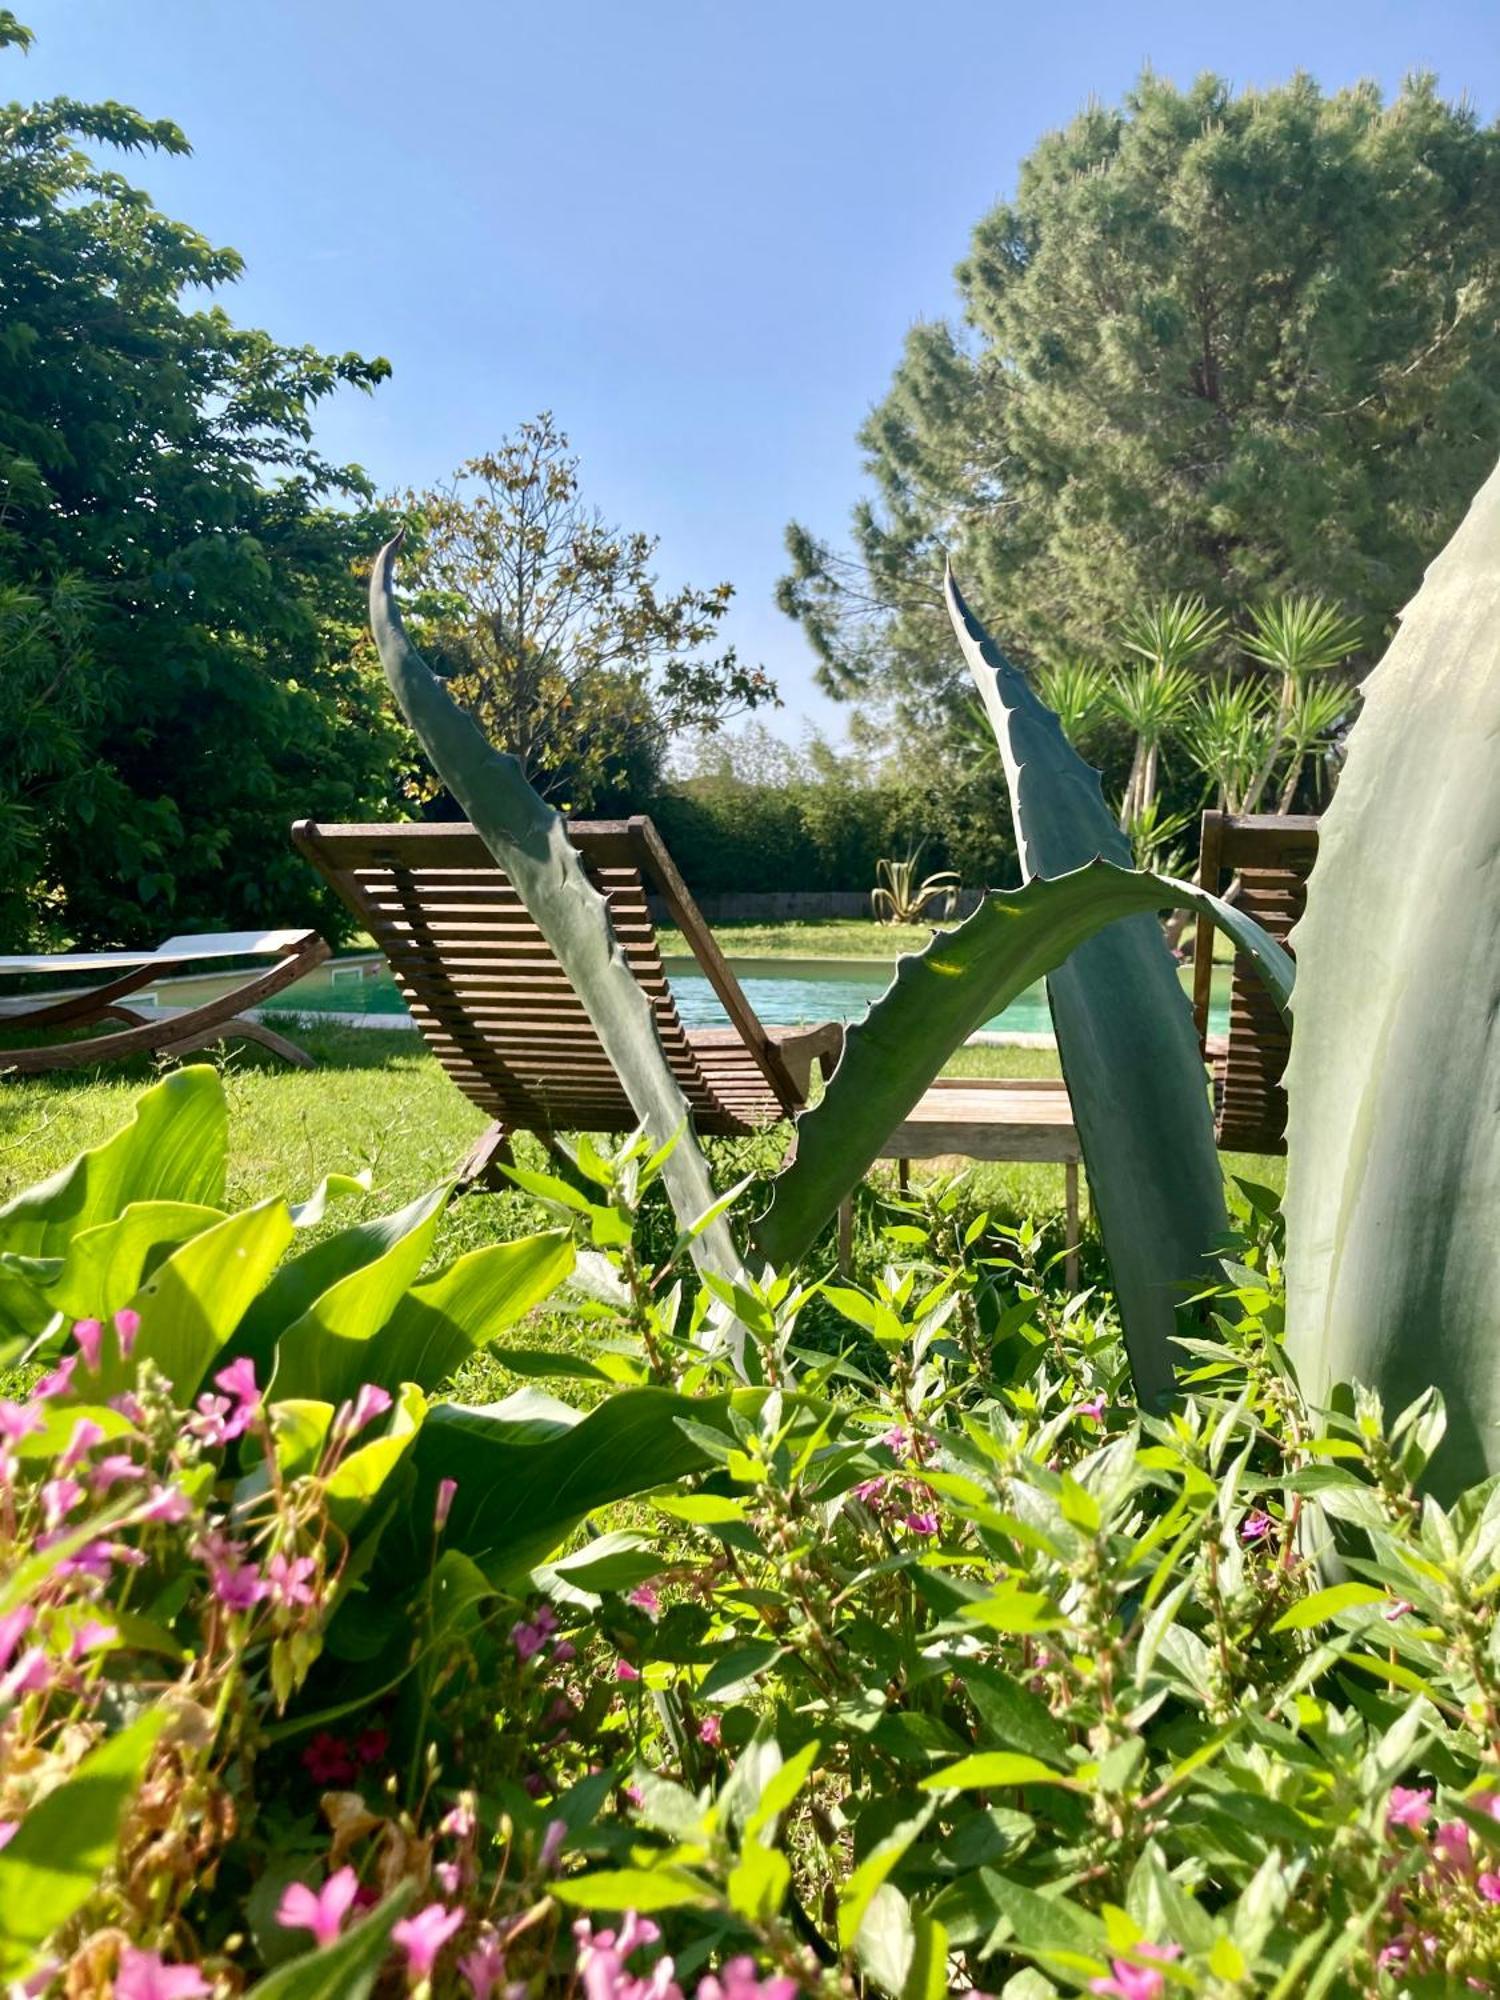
(1120, 1023)
(899, 898)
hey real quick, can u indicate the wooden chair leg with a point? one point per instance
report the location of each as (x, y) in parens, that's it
(480, 1166)
(239, 1030)
(846, 1235)
(903, 1176)
(1070, 1200)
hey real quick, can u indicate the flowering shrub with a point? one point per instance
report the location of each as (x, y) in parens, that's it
(930, 1665)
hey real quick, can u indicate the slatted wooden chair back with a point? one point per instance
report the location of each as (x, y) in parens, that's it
(1271, 856)
(495, 1006)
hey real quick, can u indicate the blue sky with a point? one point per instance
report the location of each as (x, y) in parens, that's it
(696, 231)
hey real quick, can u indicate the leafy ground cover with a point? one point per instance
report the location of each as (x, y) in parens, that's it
(920, 1663)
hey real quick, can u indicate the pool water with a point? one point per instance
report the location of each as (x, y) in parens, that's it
(784, 992)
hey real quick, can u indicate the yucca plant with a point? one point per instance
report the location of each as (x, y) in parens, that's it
(1167, 638)
(899, 898)
(1080, 695)
(1296, 636)
(1227, 737)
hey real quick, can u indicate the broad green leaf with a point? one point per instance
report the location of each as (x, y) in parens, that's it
(344, 1970)
(939, 997)
(53, 1862)
(608, 1562)
(324, 1351)
(302, 1281)
(1325, 1604)
(193, 1301)
(858, 1888)
(1393, 1176)
(106, 1265)
(530, 842)
(525, 1482)
(758, 1882)
(1125, 1033)
(989, 1769)
(643, 1889)
(173, 1149)
(442, 1320)
(1014, 1716)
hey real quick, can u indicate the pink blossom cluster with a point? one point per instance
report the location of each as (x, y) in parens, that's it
(605, 1973)
(1137, 1977)
(1452, 1869)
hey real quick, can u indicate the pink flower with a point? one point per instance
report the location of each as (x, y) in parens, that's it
(1397, 1608)
(711, 1731)
(18, 1420)
(1408, 1808)
(552, 1845)
(423, 1936)
(1256, 1526)
(484, 1966)
(564, 1651)
(112, 1468)
(458, 1823)
(86, 1434)
(896, 1440)
(127, 1326)
(739, 1980)
(238, 1380)
(624, 1671)
(169, 1504)
(1093, 1408)
(371, 1745)
(443, 1505)
(59, 1498)
(31, 1674)
(237, 1585)
(449, 1876)
(1137, 1982)
(528, 1640)
(213, 1424)
(58, 1382)
(645, 1598)
(288, 1579)
(1489, 1886)
(870, 1490)
(89, 1335)
(13, 1628)
(142, 1976)
(921, 1524)
(327, 1761)
(321, 1912)
(1452, 1848)
(545, 1620)
(8, 1830)
(89, 1637)
(371, 1402)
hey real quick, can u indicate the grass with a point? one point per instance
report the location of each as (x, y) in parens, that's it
(834, 937)
(378, 1101)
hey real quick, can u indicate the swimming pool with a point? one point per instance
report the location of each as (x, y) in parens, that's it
(785, 993)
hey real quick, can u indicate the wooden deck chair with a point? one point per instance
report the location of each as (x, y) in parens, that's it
(1270, 856)
(496, 1007)
(168, 1031)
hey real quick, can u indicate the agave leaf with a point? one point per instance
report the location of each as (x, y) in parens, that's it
(1393, 1137)
(530, 842)
(1124, 1029)
(939, 997)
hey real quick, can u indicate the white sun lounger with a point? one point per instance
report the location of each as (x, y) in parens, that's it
(172, 1031)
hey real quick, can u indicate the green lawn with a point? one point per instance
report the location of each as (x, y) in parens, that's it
(377, 1100)
(834, 937)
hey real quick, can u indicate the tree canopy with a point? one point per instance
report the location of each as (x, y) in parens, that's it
(178, 589)
(1220, 344)
(559, 637)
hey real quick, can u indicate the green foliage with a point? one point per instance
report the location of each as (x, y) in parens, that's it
(556, 633)
(901, 897)
(1217, 343)
(178, 609)
(1393, 1145)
